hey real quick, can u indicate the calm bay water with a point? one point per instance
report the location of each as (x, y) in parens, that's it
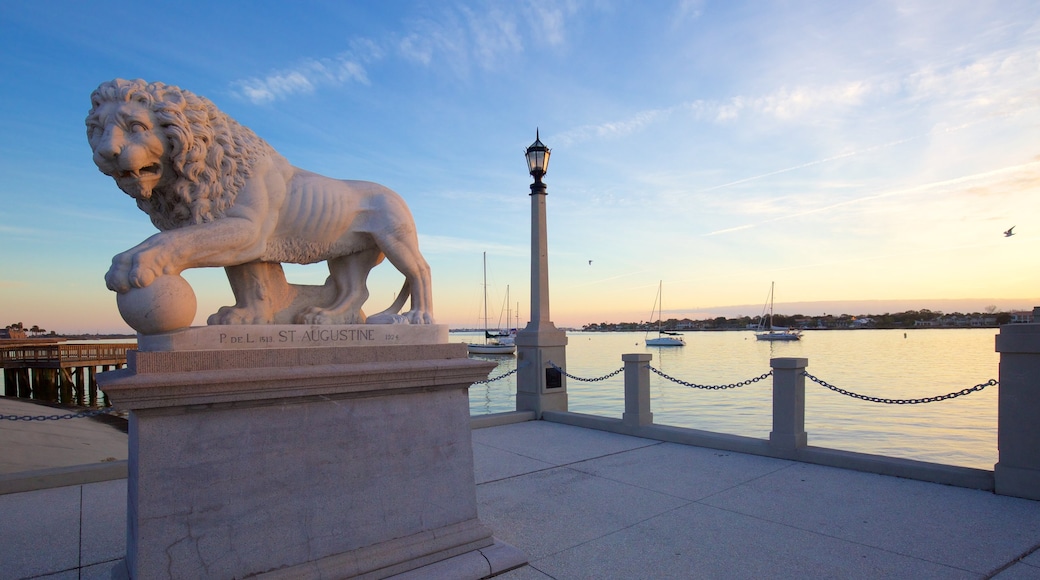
(894, 364)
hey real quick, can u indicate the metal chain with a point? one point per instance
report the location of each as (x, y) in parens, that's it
(952, 395)
(80, 415)
(713, 387)
(570, 376)
(486, 381)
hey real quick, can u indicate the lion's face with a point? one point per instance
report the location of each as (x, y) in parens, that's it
(130, 146)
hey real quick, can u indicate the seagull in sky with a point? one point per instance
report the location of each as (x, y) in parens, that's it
(590, 262)
(1009, 233)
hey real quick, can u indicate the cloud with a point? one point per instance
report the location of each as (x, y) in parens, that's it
(5, 229)
(464, 37)
(689, 10)
(784, 104)
(457, 38)
(1005, 80)
(614, 129)
(310, 74)
(1002, 83)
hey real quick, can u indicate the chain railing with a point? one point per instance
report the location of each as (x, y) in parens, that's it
(711, 387)
(764, 376)
(871, 399)
(584, 380)
(78, 415)
(498, 378)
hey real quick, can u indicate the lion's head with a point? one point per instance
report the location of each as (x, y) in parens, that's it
(179, 156)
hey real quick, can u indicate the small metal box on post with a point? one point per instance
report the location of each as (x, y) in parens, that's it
(788, 433)
(541, 347)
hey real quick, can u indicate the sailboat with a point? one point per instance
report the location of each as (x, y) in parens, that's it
(765, 329)
(491, 344)
(664, 338)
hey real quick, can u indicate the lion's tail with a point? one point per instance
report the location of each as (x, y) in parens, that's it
(398, 304)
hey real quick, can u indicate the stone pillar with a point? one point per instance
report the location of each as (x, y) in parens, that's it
(1017, 471)
(301, 462)
(540, 387)
(788, 433)
(637, 390)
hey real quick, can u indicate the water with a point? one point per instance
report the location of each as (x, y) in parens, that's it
(896, 364)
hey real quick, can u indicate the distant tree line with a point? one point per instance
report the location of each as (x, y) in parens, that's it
(909, 319)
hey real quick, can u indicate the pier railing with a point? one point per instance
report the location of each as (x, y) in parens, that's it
(59, 372)
(63, 355)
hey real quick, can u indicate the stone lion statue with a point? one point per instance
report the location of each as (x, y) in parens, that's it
(221, 196)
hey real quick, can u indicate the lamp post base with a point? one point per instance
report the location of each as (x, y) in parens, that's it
(540, 386)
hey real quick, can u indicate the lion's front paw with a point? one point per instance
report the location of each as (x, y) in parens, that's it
(132, 270)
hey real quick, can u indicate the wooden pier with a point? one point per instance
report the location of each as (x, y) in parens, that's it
(56, 371)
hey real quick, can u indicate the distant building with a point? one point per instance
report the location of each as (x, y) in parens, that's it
(1022, 317)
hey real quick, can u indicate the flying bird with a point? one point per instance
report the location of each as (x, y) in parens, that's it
(1007, 234)
(590, 262)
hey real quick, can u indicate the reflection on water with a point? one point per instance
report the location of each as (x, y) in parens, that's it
(883, 363)
(496, 396)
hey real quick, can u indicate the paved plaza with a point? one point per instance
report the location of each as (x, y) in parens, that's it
(588, 504)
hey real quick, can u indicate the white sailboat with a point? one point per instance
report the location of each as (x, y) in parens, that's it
(491, 344)
(664, 338)
(765, 325)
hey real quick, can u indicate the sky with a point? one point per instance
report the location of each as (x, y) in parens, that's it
(863, 154)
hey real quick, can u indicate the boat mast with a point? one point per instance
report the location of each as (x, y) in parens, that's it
(485, 299)
(660, 304)
(772, 285)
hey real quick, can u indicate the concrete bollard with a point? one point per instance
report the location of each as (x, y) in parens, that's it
(1017, 472)
(637, 390)
(788, 404)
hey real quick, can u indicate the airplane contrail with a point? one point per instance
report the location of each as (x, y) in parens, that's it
(843, 155)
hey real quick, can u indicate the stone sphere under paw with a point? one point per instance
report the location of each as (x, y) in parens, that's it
(165, 305)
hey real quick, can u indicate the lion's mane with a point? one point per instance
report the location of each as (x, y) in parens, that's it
(211, 154)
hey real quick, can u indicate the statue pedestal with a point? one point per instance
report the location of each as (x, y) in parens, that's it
(327, 462)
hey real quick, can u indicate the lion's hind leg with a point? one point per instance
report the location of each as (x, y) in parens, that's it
(404, 255)
(350, 276)
(260, 290)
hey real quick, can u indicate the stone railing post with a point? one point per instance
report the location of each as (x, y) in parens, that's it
(788, 404)
(637, 390)
(1017, 471)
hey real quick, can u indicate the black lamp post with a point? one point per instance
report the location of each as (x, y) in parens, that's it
(537, 162)
(540, 384)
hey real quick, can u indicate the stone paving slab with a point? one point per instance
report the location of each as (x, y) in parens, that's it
(543, 512)
(39, 532)
(691, 473)
(964, 528)
(544, 442)
(491, 464)
(103, 522)
(698, 541)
